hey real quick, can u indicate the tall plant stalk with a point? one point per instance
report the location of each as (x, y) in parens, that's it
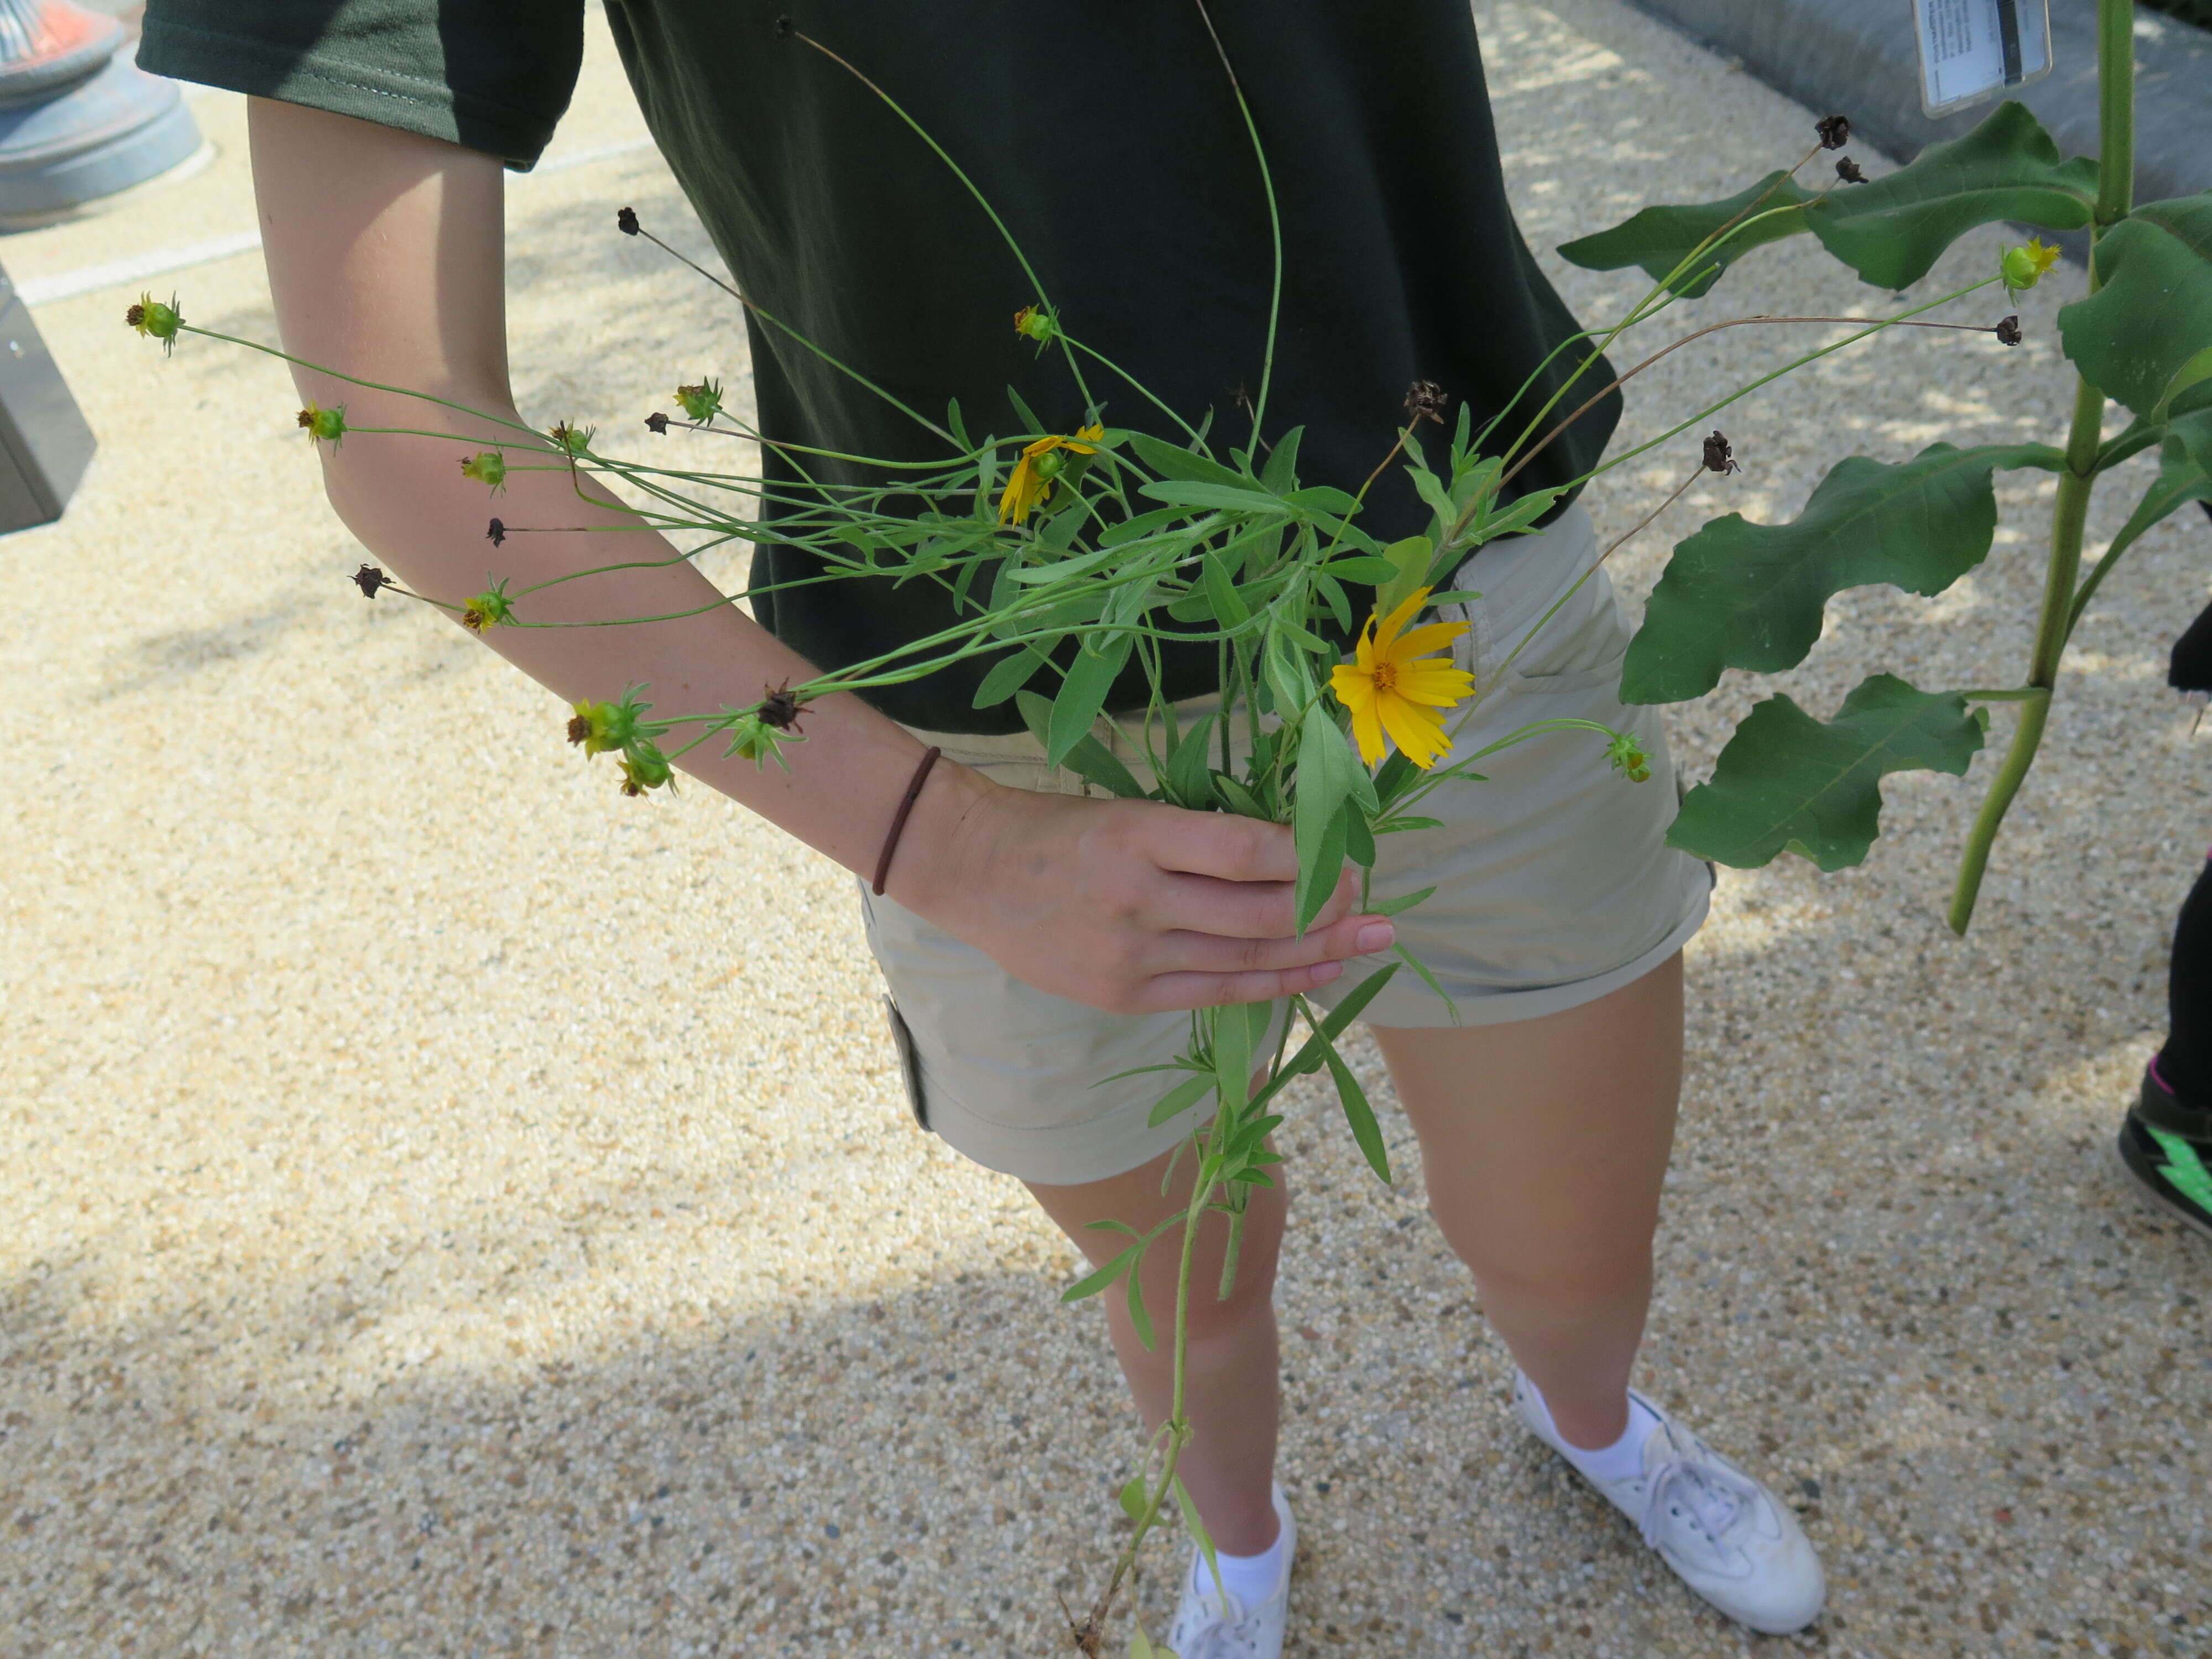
(2069, 513)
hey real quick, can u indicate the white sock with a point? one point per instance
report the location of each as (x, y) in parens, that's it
(1250, 1578)
(1620, 1461)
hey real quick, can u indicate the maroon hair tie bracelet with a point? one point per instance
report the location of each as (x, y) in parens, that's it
(898, 819)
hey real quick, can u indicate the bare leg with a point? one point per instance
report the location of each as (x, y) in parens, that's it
(1229, 1379)
(1545, 1142)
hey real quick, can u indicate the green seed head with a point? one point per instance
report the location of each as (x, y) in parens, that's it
(488, 608)
(155, 320)
(323, 425)
(487, 467)
(702, 401)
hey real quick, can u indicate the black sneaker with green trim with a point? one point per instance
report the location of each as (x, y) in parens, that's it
(2167, 1147)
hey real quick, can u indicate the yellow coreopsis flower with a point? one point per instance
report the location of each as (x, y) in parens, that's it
(1033, 474)
(1394, 689)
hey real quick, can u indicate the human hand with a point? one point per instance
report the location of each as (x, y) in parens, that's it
(1130, 906)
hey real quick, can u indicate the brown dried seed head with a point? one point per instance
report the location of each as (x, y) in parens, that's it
(1835, 131)
(780, 708)
(370, 580)
(656, 421)
(626, 220)
(496, 533)
(1425, 400)
(307, 419)
(1720, 454)
(578, 729)
(135, 316)
(1848, 171)
(2008, 331)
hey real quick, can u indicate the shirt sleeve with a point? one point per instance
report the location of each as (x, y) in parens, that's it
(492, 75)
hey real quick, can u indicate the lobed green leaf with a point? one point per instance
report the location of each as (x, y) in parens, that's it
(1741, 595)
(1787, 782)
(2144, 336)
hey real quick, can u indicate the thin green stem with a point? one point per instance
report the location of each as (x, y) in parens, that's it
(2062, 602)
(981, 200)
(1274, 223)
(2068, 515)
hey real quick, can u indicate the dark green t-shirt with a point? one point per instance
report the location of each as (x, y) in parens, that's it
(1107, 137)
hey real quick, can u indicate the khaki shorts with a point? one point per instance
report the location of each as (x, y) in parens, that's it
(1555, 886)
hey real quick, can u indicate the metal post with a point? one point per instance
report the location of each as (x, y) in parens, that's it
(78, 119)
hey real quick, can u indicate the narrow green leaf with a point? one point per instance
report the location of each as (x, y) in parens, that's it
(1172, 462)
(1228, 498)
(1741, 595)
(1392, 826)
(1659, 238)
(1787, 782)
(1358, 838)
(1359, 1116)
(1228, 607)
(1232, 1051)
(1282, 469)
(1411, 559)
(1310, 1054)
(1093, 763)
(1083, 695)
(1427, 978)
(1394, 777)
(1027, 415)
(1284, 672)
(1893, 230)
(2151, 320)
(1112, 1227)
(1527, 506)
(1199, 1533)
(957, 427)
(1009, 675)
(1189, 779)
(1139, 1321)
(1331, 593)
(1323, 498)
(1181, 1098)
(1237, 798)
(1133, 1499)
(1089, 759)
(1091, 1284)
(1368, 569)
(1392, 907)
(1327, 771)
(1431, 490)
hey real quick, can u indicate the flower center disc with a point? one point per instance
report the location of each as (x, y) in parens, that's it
(1386, 677)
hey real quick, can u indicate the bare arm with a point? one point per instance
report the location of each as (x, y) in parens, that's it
(386, 261)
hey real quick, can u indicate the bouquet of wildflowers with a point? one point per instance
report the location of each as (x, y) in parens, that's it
(1068, 556)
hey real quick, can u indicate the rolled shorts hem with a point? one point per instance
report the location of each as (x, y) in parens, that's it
(1406, 1005)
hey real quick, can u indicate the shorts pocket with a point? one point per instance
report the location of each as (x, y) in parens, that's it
(1600, 676)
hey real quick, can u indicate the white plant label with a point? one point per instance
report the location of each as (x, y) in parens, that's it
(1970, 49)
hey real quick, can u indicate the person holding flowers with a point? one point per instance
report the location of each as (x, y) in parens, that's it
(1037, 939)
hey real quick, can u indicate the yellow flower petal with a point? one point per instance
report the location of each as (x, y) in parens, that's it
(1433, 637)
(1440, 690)
(1021, 493)
(1386, 630)
(1419, 732)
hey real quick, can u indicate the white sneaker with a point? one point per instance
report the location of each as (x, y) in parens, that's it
(1212, 1623)
(1723, 1533)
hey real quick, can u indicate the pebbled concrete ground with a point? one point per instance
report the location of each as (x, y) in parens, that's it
(454, 1212)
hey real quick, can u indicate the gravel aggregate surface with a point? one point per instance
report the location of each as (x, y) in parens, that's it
(453, 1211)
